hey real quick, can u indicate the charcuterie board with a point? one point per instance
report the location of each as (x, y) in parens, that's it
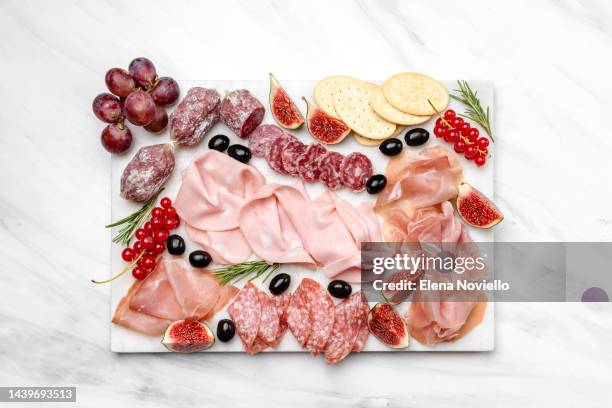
(123, 340)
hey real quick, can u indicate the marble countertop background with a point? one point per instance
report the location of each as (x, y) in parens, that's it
(550, 61)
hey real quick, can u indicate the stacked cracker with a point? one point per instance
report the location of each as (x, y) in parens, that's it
(376, 113)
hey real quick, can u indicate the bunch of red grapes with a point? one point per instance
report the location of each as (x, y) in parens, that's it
(151, 239)
(466, 139)
(139, 96)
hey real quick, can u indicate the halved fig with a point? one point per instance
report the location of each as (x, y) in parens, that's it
(188, 336)
(476, 209)
(397, 296)
(282, 107)
(387, 325)
(323, 127)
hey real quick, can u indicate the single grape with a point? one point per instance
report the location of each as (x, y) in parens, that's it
(470, 152)
(107, 108)
(140, 108)
(119, 82)
(116, 138)
(480, 161)
(143, 72)
(459, 146)
(482, 143)
(160, 121)
(166, 92)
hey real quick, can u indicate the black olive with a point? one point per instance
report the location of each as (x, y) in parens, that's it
(376, 183)
(225, 330)
(339, 289)
(240, 153)
(391, 147)
(219, 142)
(280, 283)
(416, 137)
(199, 259)
(175, 245)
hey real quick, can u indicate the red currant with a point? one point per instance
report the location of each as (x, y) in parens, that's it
(157, 212)
(169, 224)
(161, 235)
(453, 136)
(140, 233)
(128, 254)
(148, 227)
(148, 242)
(157, 222)
(465, 129)
(147, 262)
(439, 131)
(470, 152)
(480, 161)
(482, 143)
(459, 146)
(457, 122)
(137, 247)
(440, 123)
(484, 152)
(177, 222)
(139, 273)
(449, 115)
(170, 212)
(165, 202)
(159, 248)
(473, 134)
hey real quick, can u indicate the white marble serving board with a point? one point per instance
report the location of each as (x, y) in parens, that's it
(125, 341)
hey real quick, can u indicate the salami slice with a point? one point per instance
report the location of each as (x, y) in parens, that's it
(282, 306)
(329, 166)
(349, 315)
(269, 322)
(245, 311)
(362, 335)
(355, 171)
(274, 153)
(308, 162)
(290, 155)
(262, 137)
(321, 307)
(298, 316)
(241, 112)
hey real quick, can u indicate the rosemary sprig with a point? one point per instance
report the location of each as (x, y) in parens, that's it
(237, 272)
(123, 271)
(474, 110)
(132, 222)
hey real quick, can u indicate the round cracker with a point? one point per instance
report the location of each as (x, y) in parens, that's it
(352, 103)
(324, 90)
(373, 142)
(410, 91)
(388, 112)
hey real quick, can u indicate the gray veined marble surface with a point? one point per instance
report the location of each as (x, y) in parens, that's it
(550, 61)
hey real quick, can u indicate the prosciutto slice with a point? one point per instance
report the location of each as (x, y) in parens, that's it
(140, 322)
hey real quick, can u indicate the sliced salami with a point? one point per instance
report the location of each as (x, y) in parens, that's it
(282, 306)
(329, 166)
(261, 138)
(274, 153)
(349, 315)
(355, 171)
(362, 335)
(290, 155)
(308, 162)
(298, 316)
(241, 112)
(245, 311)
(321, 307)
(269, 322)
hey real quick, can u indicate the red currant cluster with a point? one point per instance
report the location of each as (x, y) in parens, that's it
(151, 239)
(466, 139)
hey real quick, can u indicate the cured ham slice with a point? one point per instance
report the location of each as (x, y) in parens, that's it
(140, 322)
(334, 233)
(214, 189)
(173, 291)
(273, 224)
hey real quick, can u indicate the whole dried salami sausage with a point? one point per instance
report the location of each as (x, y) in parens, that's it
(194, 116)
(245, 311)
(329, 166)
(290, 155)
(355, 171)
(308, 162)
(147, 172)
(241, 112)
(261, 137)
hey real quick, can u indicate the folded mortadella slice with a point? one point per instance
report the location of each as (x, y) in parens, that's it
(225, 247)
(273, 224)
